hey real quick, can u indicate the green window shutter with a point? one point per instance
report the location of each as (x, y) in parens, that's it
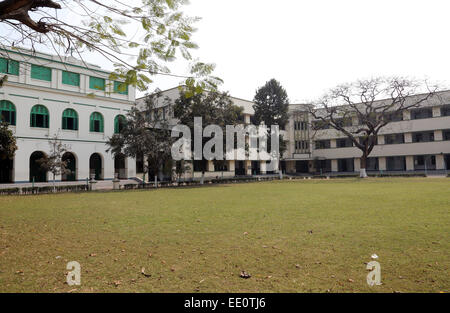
(96, 83)
(121, 88)
(39, 116)
(41, 72)
(70, 119)
(3, 65)
(96, 122)
(13, 67)
(119, 121)
(7, 112)
(69, 78)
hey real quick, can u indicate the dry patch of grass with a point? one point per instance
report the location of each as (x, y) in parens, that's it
(291, 236)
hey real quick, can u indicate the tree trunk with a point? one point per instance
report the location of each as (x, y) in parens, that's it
(363, 163)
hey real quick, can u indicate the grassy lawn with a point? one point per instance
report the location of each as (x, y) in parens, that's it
(291, 236)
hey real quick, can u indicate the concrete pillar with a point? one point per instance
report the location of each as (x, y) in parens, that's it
(440, 162)
(357, 164)
(406, 115)
(248, 167)
(382, 163)
(436, 111)
(438, 135)
(334, 165)
(409, 163)
(355, 121)
(408, 137)
(231, 166)
(210, 166)
(381, 139)
(333, 143)
(262, 167)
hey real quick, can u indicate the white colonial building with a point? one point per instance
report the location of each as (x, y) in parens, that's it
(46, 95)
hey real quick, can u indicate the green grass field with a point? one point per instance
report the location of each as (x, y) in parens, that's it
(291, 236)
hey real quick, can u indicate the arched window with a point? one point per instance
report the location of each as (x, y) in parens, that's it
(119, 123)
(39, 116)
(96, 123)
(70, 119)
(7, 112)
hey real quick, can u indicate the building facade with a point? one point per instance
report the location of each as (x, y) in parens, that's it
(417, 141)
(47, 96)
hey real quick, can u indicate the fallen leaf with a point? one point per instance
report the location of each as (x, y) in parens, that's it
(92, 254)
(117, 283)
(350, 280)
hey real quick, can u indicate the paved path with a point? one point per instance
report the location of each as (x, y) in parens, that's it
(101, 184)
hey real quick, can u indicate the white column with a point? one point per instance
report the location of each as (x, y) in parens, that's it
(409, 163)
(408, 137)
(406, 115)
(262, 166)
(231, 166)
(438, 135)
(210, 166)
(436, 111)
(382, 163)
(357, 164)
(334, 165)
(440, 162)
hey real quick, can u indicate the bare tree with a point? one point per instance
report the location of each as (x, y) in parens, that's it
(374, 103)
(54, 162)
(139, 37)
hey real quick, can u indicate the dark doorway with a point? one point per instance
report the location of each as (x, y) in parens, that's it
(447, 161)
(37, 173)
(346, 165)
(120, 166)
(301, 167)
(71, 165)
(6, 170)
(95, 166)
(256, 170)
(239, 168)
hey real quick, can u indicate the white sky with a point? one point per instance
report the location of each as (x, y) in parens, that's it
(311, 46)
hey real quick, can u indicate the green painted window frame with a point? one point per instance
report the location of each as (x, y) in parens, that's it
(41, 72)
(71, 78)
(69, 114)
(36, 110)
(96, 117)
(8, 66)
(8, 110)
(96, 83)
(118, 86)
(117, 123)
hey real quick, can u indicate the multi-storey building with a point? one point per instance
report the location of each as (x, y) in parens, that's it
(419, 140)
(47, 95)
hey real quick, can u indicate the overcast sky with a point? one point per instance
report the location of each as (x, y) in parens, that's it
(310, 46)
